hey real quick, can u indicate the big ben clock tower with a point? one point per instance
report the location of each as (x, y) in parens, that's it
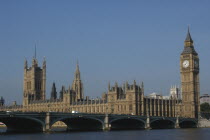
(189, 68)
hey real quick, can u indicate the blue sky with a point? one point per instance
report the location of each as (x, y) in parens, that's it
(114, 40)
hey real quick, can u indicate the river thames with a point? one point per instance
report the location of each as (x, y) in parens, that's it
(158, 134)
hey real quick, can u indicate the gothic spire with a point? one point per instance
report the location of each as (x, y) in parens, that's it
(69, 88)
(62, 92)
(134, 82)
(109, 86)
(1, 98)
(116, 84)
(1, 101)
(142, 85)
(44, 63)
(77, 67)
(53, 92)
(126, 84)
(25, 64)
(188, 44)
(35, 51)
(34, 60)
(77, 72)
(188, 38)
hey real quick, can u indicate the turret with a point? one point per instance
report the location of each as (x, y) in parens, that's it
(134, 85)
(69, 89)
(1, 101)
(34, 63)
(134, 82)
(34, 85)
(53, 92)
(44, 63)
(116, 85)
(126, 85)
(26, 64)
(109, 86)
(62, 92)
(44, 67)
(124, 88)
(142, 87)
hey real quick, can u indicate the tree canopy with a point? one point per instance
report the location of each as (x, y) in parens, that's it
(205, 107)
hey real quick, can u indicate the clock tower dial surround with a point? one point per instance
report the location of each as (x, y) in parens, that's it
(189, 69)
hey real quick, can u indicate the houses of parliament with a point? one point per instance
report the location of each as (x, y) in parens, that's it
(126, 99)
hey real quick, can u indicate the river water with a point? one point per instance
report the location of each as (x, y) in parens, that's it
(161, 134)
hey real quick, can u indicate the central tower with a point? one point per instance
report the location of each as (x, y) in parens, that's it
(34, 84)
(77, 85)
(189, 68)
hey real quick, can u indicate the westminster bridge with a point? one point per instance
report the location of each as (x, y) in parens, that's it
(42, 122)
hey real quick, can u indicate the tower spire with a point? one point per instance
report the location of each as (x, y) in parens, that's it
(77, 67)
(53, 92)
(77, 85)
(77, 72)
(188, 37)
(109, 86)
(25, 64)
(35, 51)
(188, 44)
(44, 63)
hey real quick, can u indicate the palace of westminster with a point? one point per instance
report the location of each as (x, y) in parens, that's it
(128, 99)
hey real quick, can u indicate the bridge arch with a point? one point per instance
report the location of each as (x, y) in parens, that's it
(23, 124)
(162, 123)
(127, 123)
(188, 123)
(80, 123)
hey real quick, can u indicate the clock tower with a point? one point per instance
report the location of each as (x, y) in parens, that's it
(189, 68)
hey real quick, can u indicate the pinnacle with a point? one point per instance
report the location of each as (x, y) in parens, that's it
(188, 38)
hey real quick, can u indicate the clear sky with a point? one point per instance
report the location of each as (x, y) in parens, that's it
(114, 40)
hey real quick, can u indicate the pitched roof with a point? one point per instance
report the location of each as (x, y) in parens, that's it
(189, 50)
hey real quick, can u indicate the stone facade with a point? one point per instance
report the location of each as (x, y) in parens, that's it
(128, 99)
(34, 84)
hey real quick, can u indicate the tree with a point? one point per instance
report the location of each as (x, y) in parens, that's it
(205, 107)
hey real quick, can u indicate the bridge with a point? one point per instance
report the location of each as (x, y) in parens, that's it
(42, 122)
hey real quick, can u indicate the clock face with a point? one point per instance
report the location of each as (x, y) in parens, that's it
(185, 63)
(196, 64)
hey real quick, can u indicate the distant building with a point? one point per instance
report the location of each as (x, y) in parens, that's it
(175, 92)
(1, 101)
(155, 95)
(205, 98)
